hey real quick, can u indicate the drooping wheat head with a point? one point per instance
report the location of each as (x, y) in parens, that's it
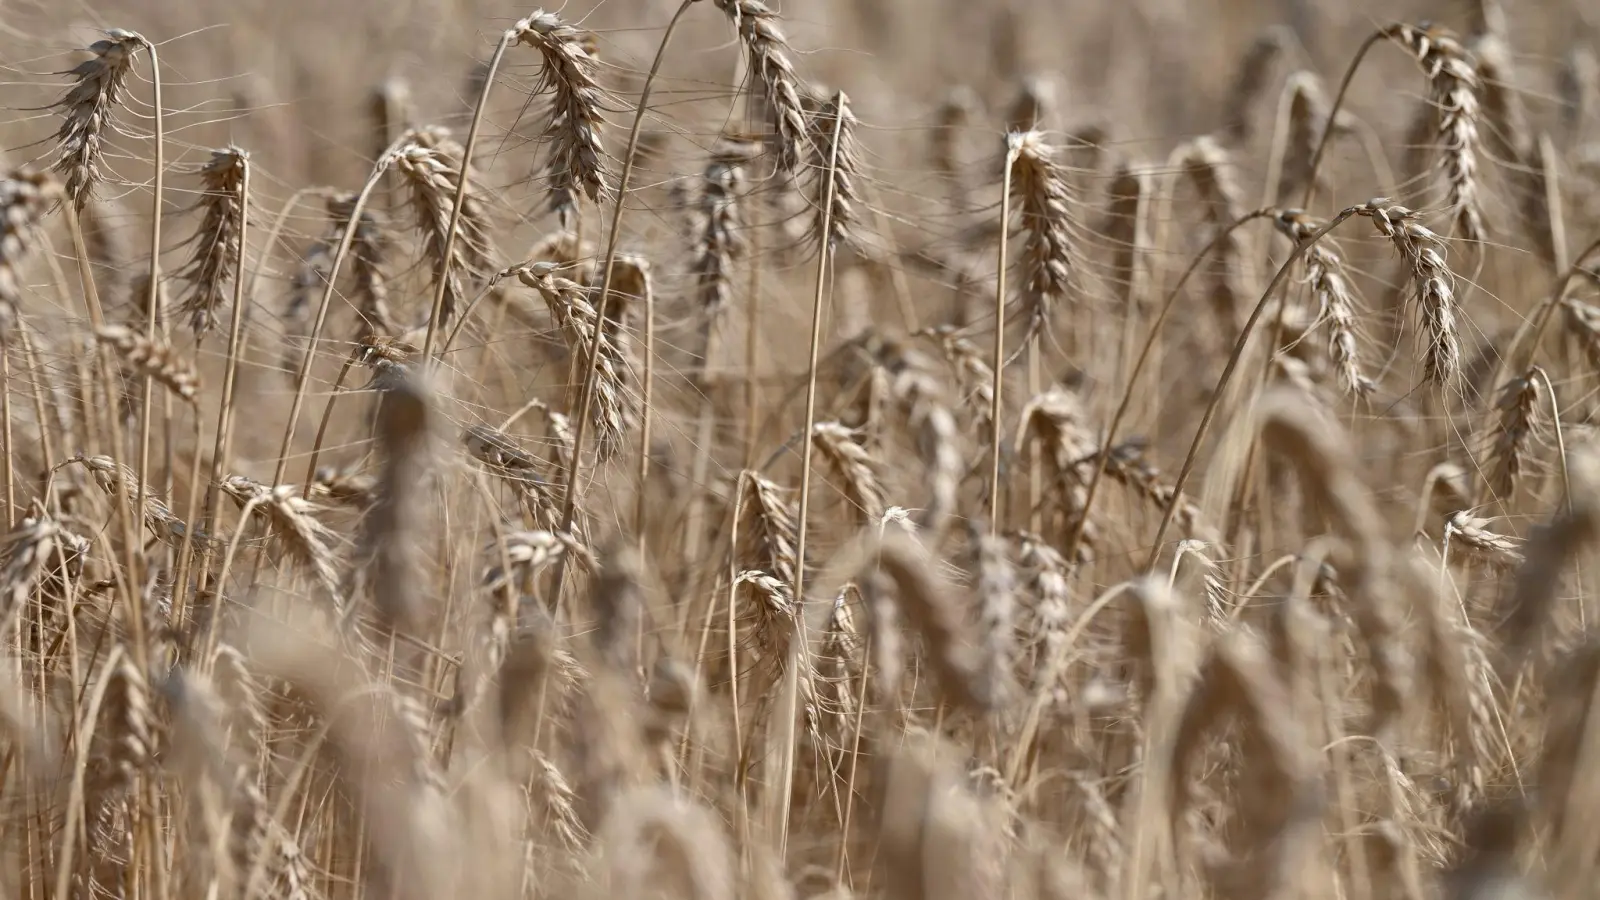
(88, 109)
(577, 159)
(429, 165)
(1453, 88)
(1431, 281)
(773, 80)
(1330, 288)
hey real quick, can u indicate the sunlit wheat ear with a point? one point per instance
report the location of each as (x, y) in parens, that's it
(25, 197)
(114, 478)
(1047, 606)
(1040, 188)
(128, 723)
(1250, 81)
(1056, 422)
(1330, 287)
(88, 110)
(572, 307)
(577, 159)
(1431, 281)
(974, 377)
(144, 356)
(214, 248)
(1127, 464)
(554, 792)
(1453, 88)
(768, 534)
(1519, 407)
(519, 470)
(856, 469)
(226, 806)
(429, 165)
(529, 553)
(772, 77)
(1478, 540)
(1209, 169)
(369, 251)
(836, 168)
(386, 551)
(923, 399)
(38, 548)
(291, 521)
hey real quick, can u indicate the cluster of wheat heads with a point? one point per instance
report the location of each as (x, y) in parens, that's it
(730, 511)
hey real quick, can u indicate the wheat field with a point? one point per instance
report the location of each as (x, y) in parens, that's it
(749, 449)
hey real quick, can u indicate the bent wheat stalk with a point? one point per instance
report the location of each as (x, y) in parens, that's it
(1245, 333)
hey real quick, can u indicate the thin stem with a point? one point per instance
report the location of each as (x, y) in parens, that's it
(1227, 376)
(146, 409)
(647, 399)
(1532, 330)
(1333, 115)
(327, 416)
(460, 200)
(1109, 440)
(304, 375)
(798, 650)
(5, 413)
(999, 363)
(224, 441)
